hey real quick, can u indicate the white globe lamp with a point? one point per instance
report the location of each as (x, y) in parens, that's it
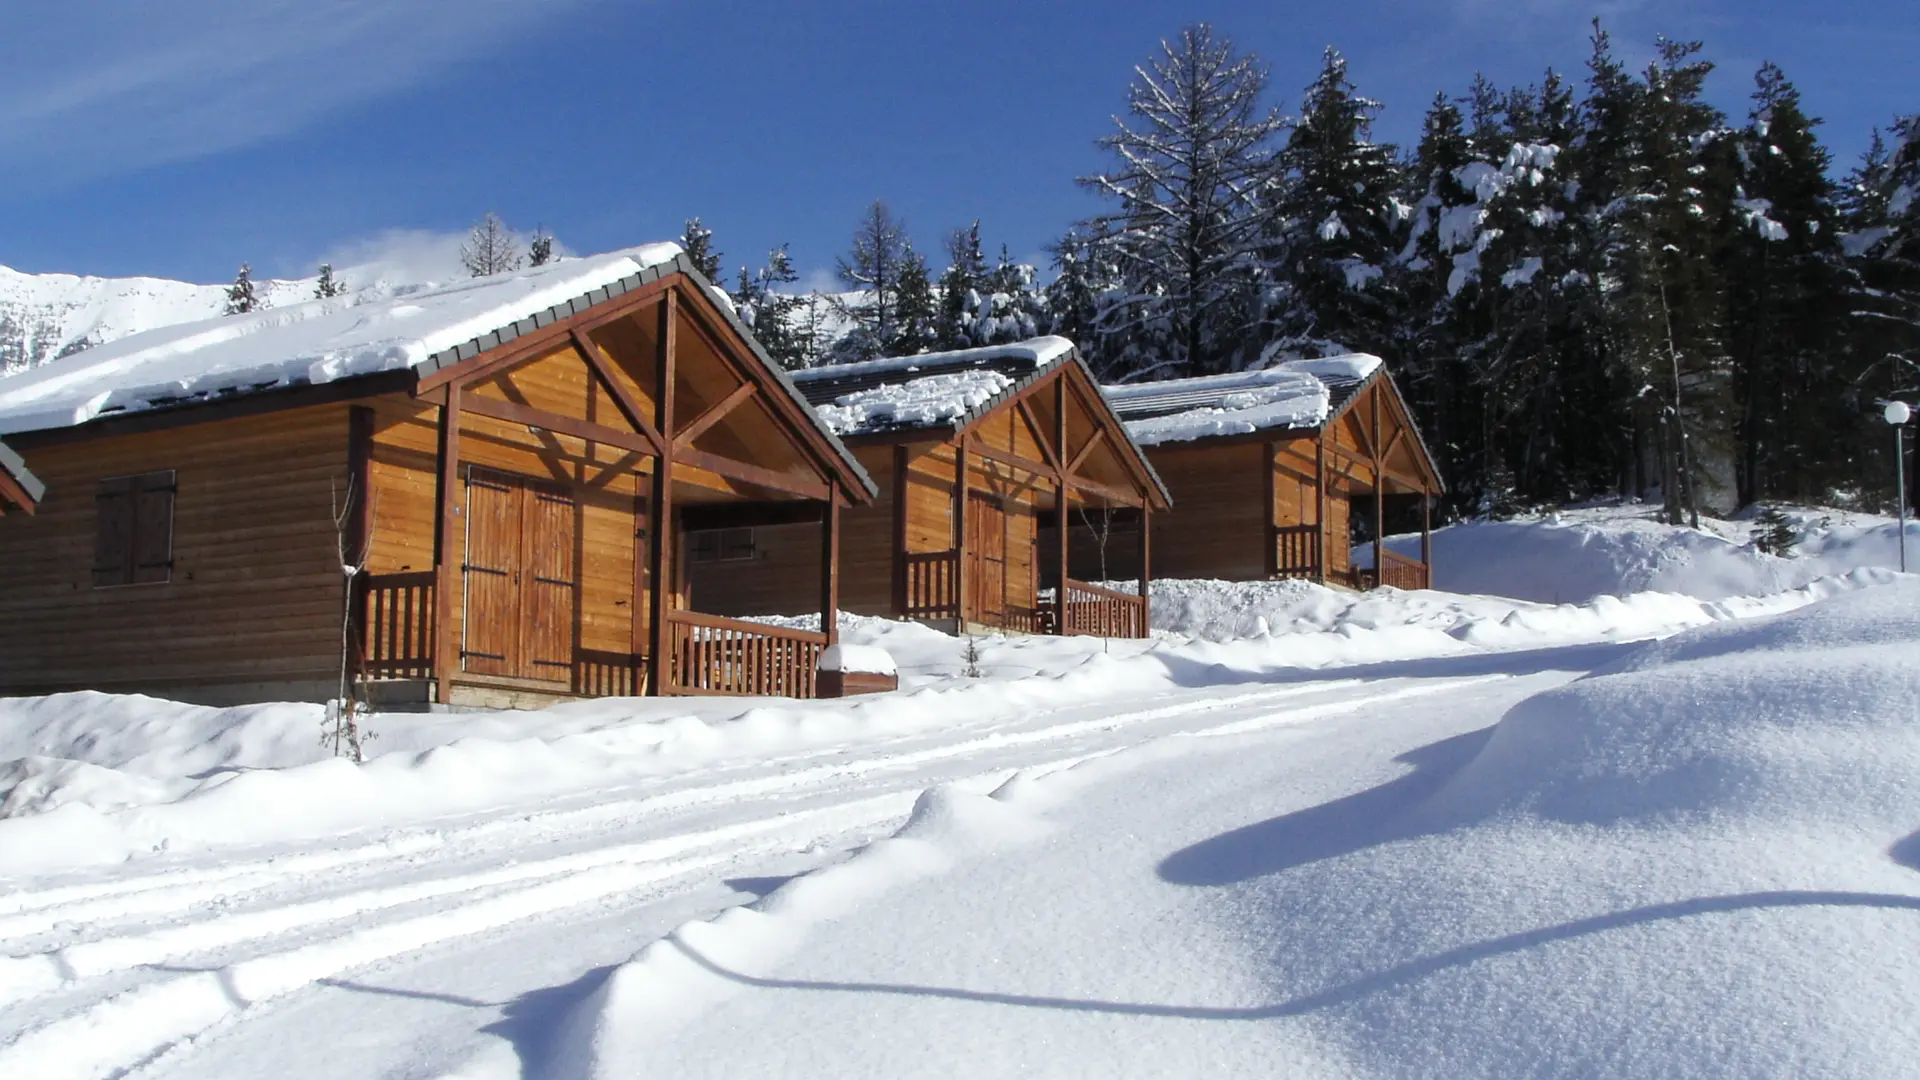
(1898, 412)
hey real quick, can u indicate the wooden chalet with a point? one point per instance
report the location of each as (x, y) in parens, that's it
(980, 457)
(1273, 469)
(18, 486)
(507, 465)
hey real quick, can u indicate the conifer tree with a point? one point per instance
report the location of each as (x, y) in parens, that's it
(916, 314)
(1332, 230)
(873, 267)
(540, 248)
(241, 297)
(1193, 157)
(1786, 291)
(772, 311)
(491, 248)
(960, 287)
(328, 286)
(697, 239)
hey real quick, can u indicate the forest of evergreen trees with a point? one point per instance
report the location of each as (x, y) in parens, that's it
(1588, 286)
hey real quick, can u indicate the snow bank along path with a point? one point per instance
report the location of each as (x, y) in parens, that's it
(251, 884)
(1698, 862)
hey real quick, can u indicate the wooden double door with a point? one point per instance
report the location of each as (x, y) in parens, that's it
(522, 577)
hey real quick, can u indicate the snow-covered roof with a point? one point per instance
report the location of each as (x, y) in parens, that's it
(1292, 395)
(943, 389)
(16, 467)
(318, 341)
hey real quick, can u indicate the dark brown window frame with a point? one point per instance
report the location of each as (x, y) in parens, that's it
(725, 546)
(120, 569)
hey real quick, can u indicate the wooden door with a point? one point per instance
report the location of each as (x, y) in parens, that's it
(521, 578)
(986, 558)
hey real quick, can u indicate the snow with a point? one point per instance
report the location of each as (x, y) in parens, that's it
(1039, 351)
(1575, 556)
(865, 659)
(316, 341)
(1697, 862)
(922, 402)
(1288, 394)
(1522, 274)
(1298, 830)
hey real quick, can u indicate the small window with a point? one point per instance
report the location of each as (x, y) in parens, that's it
(723, 545)
(134, 545)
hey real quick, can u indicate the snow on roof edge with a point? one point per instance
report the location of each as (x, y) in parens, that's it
(1043, 351)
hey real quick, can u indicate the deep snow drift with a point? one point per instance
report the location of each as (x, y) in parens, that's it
(1573, 556)
(1700, 862)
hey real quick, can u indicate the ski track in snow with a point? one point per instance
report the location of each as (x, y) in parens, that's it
(105, 977)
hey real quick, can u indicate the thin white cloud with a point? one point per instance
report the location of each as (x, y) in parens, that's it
(96, 87)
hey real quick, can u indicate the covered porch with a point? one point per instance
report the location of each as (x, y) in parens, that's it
(565, 468)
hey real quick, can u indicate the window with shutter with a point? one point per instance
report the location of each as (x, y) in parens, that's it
(134, 541)
(723, 545)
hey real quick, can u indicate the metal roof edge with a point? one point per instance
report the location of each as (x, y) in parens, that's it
(16, 467)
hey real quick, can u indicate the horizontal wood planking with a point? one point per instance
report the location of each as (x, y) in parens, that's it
(256, 593)
(1216, 527)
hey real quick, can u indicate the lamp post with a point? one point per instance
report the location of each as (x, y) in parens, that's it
(1898, 413)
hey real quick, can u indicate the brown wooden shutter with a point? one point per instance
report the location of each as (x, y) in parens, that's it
(153, 528)
(113, 542)
(493, 558)
(548, 586)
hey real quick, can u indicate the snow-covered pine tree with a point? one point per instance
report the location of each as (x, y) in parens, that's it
(1786, 287)
(697, 239)
(328, 286)
(491, 247)
(1073, 299)
(1883, 222)
(241, 297)
(1333, 228)
(767, 305)
(916, 313)
(1664, 296)
(960, 288)
(872, 268)
(540, 248)
(1193, 157)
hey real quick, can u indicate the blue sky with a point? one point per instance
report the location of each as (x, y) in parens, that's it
(179, 139)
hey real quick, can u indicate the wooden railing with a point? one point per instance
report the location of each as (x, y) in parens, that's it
(396, 629)
(933, 580)
(598, 673)
(1297, 551)
(712, 655)
(1102, 612)
(1399, 571)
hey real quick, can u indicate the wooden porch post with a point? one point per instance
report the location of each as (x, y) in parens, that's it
(1061, 495)
(1320, 507)
(830, 568)
(1271, 534)
(357, 542)
(1146, 566)
(1426, 533)
(1379, 498)
(447, 549)
(960, 604)
(900, 598)
(660, 513)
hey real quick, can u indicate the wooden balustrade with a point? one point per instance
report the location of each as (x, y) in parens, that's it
(1101, 612)
(396, 628)
(1297, 551)
(933, 585)
(1399, 571)
(712, 655)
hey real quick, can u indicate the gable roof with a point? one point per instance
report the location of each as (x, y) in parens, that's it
(16, 469)
(1293, 397)
(947, 391)
(423, 328)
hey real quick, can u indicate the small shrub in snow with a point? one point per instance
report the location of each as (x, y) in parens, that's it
(1773, 532)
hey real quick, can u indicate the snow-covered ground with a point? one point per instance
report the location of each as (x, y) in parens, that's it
(1573, 556)
(1392, 834)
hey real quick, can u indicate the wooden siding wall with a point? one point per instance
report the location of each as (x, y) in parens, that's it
(1214, 529)
(783, 577)
(404, 481)
(255, 595)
